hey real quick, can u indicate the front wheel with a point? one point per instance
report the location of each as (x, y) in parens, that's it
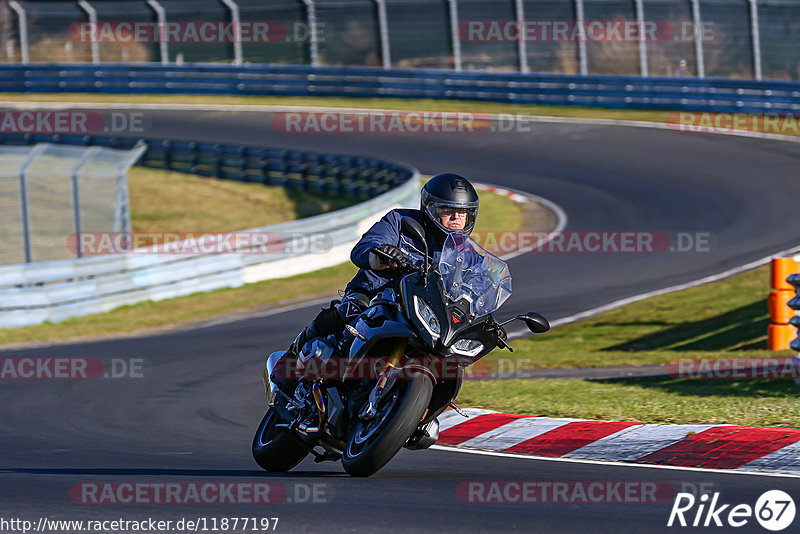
(373, 443)
(276, 450)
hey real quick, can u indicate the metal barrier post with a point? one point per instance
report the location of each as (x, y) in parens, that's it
(311, 20)
(161, 16)
(522, 45)
(755, 36)
(22, 17)
(23, 200)
(698, 39)
(643, 68)
(122, 219)
(23, 205)
(218, 162)
(383, 28)
(76, 203)
(167, 154)
(237, 31)
(93, 21)
(454, 38)
(582, 59)
(122, 211)
(194, 158)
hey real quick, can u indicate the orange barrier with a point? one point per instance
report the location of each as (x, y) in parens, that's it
(779, 336)
(780, 333)
(780, 270)
(778, 305)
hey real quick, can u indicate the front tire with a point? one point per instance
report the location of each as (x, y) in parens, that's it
(373, 443)
(275, 450)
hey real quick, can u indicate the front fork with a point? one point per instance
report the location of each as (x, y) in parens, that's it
(386, 380)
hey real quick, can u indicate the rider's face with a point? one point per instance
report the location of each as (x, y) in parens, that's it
(452, 218)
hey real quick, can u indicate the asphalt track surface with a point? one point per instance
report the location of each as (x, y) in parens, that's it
(192, 416)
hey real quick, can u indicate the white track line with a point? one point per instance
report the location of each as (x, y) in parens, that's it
(540, 118)
(562, 222)
(265, 313)
(515, 432)
(636, 442)
(782, 460)
(558, 211)
(622, 302)
(265, 108)
(611, 463)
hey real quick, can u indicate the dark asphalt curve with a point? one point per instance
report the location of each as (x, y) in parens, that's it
(736, 191)
(191, 416)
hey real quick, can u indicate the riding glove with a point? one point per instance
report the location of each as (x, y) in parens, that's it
(377, 262)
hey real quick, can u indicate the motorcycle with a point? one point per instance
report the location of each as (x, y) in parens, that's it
(404, 367)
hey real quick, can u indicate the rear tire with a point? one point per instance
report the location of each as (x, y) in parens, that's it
(373, 443)
(276, 450)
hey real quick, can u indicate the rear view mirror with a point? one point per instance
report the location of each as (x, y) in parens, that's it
(412, 228)
(535, 321)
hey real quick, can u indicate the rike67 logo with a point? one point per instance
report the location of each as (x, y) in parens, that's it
(774, 510)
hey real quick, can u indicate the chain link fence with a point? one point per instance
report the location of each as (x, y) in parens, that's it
(289, 48)
(729, 38)
(419, 34)
(49, 194)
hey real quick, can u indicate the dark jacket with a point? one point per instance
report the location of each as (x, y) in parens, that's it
(387, 232)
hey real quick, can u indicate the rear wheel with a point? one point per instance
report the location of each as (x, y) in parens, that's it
(373, 443)
(276, 450)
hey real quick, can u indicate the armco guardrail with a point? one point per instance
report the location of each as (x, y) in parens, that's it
(54, 291)
(631, 92)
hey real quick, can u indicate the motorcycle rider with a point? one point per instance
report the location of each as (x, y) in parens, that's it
(448, 203)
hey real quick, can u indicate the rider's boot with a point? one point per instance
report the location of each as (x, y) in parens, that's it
(284, 374)
(330, 320)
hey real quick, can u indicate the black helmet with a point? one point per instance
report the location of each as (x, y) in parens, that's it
(449, 191)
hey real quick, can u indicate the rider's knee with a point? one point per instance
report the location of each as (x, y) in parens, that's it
(328, 321)
(351, 306)
(332, 320)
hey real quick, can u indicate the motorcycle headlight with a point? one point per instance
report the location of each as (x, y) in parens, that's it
(427, 317)
(467, 347)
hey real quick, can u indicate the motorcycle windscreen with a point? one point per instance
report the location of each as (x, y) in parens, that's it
(469, 272)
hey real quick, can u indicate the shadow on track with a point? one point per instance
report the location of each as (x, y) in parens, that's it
(743, 328)
(113, 471)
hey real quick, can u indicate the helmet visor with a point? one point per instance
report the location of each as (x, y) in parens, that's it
(453, 217)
